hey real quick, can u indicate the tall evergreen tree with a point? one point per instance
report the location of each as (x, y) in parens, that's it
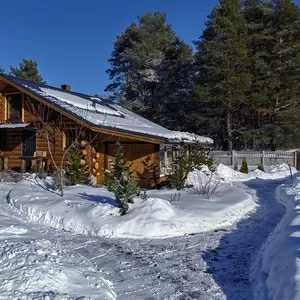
(274, 29)
(222, 61)
(152, 71)
(2, 70)
(285, 64)
(28, 69)
(258, 16)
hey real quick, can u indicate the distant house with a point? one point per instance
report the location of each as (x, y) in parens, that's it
(99, 123)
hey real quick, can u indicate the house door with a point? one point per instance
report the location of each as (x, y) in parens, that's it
(29, 143)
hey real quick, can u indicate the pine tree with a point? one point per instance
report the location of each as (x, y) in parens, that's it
(76, 172)
(152, 71)
(244, 166)
(28, 69)
(120, 180)
(258, 16)
(274, 50)
(222, 61)
(2, 71)
(285, 64)
(118, 166)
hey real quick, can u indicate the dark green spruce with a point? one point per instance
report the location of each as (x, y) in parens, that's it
(151, 72)
(28, 69)
(223, 76)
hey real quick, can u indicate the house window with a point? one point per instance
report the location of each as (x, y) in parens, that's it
(14, 108)
(69, 137)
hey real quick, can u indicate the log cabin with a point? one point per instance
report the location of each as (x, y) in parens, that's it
(40, 120)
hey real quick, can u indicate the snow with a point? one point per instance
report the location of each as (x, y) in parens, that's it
(93, 211)
(91, 104)
(210, 265)
(273, 172)
(278, 265)
(16, 125)
(182, 136)
(33, 267)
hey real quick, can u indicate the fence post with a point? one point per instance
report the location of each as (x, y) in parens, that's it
(262, 158)
(165, 156)
(232, 158)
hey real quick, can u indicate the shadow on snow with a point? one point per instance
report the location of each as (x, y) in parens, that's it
(99, 199)
(230, 262)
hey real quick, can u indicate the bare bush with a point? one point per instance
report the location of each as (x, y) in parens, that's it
(175, 197)
(205, 184)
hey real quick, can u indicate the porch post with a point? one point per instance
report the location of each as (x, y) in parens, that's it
(23, 165)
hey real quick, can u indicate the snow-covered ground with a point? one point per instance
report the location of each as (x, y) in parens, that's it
(278, 266)
(33, 267)
(93, 211)
(210, 265)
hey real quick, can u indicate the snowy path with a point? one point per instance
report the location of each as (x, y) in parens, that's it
(203, 266)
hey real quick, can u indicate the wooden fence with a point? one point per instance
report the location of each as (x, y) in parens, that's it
(266, 158)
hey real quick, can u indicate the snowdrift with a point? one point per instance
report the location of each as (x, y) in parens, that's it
(93, 211)
(277, 269)
(274, 172)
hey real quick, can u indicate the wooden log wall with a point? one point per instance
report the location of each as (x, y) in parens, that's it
(14, 148)
(145, 162)
(2, 108)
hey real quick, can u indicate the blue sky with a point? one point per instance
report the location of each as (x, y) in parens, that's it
(72, 40)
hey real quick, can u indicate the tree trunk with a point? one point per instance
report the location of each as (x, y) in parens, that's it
(229, 130)
(62, 185)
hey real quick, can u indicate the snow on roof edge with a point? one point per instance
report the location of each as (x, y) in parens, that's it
(181, 136)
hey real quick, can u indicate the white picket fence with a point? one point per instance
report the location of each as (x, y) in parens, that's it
(266, 158)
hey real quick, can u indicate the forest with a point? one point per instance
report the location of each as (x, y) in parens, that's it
(238, 82)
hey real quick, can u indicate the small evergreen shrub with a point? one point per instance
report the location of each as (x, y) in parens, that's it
(125, 189)
(180, 168)
(235, 167)
(244, 167)
(261, 167)
(118, 165)
(108, 179)
(185, 163)
(76, 171)
(120, 180)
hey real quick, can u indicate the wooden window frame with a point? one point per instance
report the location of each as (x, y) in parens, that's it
(65, 144)
(7, 105)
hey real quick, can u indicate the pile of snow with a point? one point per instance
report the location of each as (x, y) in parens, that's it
(274, 172)
(278, 267)
(93, 211)
(228, 173)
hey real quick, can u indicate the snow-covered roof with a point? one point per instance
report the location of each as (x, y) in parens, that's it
(102, 113)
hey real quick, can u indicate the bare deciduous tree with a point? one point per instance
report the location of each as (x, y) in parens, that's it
(47, 122)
